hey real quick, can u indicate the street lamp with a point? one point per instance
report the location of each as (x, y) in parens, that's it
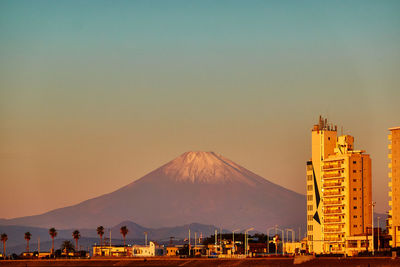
(246, 239)
(233, 240)
(373, 244)
(145, 239)
(379, 227)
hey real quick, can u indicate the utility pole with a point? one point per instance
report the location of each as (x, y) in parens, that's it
(189, 242)
(373, 243)
(215, 235)
(378, 234)
(195, 242)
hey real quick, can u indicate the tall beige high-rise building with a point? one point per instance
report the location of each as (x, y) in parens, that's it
(394, 185)
(339, 195)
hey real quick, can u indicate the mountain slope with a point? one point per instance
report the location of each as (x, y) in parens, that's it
(199, 187)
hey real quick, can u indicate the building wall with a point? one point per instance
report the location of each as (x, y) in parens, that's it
(394, 185)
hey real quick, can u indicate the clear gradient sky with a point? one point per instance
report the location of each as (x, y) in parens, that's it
(95, 94)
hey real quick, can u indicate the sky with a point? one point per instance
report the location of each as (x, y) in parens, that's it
(96, 94)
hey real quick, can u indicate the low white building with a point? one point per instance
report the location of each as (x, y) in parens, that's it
(153, 249)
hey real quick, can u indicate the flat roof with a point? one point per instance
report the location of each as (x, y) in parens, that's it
(394, 128)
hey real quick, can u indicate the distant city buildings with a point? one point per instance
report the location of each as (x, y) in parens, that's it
(394, 186)
(339, 193)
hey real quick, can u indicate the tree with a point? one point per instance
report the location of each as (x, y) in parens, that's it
(76, 235)
(4, 239)
(100, 232)
(67, 246)
(124, 231)
(27, 238)
(53, 234)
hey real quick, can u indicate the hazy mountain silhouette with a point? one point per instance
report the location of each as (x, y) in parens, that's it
(199, 187)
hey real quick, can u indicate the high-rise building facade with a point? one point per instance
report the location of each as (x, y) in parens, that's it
(339, 195)
(394, 186)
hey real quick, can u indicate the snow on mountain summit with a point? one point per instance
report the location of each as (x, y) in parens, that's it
(205, 167)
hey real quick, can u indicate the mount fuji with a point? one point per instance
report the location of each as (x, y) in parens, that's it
(202, 187)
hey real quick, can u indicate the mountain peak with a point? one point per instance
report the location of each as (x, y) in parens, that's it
(204, 167)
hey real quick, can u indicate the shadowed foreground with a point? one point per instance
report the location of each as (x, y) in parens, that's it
(207, 262)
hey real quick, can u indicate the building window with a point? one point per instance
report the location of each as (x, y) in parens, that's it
(355, 226)
(354, 171)
(309, 187)
(354, 189)
(309, 218)
(354, 198)
(355, 216)
(310, 197)
(309, 207)
(355, 207)
(354, 180)
(354, 162)
(309, 177)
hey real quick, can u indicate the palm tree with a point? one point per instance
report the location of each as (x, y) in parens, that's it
(27, 238)
(100, 232)
(124, 231)
(76, 235)
(53, 234)
(4, 239)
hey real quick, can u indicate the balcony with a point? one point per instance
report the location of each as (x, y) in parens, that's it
(329, 175)
(335, 211)
(333, 230)
(390, 203)
(390, 184)
(389, 156)
(327, 203)
(332, 166)
(333, 220)
(390, 165)
(390, 193)
(389, 137)
(332, 184)
(333, 239)
(335, 193)
(389, 146)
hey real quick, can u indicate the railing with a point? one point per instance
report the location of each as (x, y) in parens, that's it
(332, 220)
(328, 175)
(333, 211)
(332, 202)
(333, 230)
(332, 184)
(332, 166)
(332, 193)
(333, 239)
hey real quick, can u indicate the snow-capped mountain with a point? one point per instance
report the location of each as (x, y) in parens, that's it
(201, 187)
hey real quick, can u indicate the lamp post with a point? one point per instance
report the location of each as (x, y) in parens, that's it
(373, 244)
(246, 239)
(291, 231)
(379, 227)
(233, 240)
